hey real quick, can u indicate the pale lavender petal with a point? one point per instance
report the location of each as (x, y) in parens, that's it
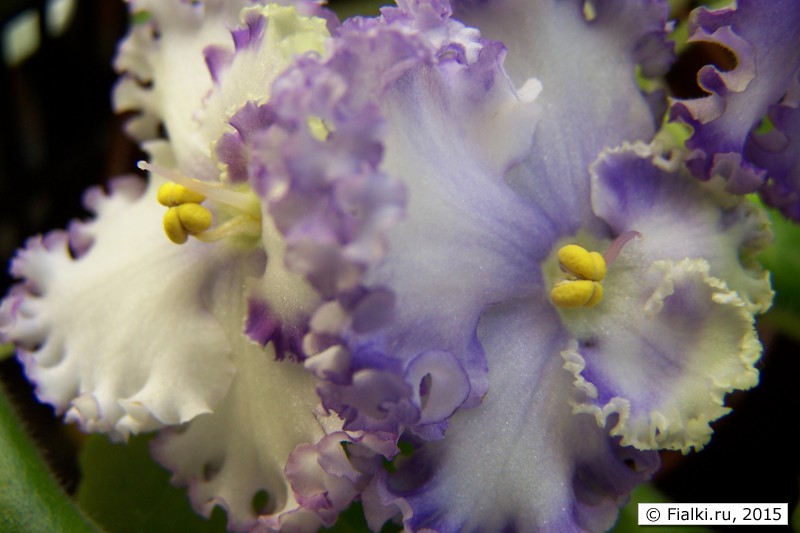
(637, 189)
(521, 461)
(590, 99)
(536, 416)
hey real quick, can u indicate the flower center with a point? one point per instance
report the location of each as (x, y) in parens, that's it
(186, 216)
(585, 272)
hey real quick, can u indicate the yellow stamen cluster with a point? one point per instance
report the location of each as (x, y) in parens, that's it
(586, 271)
(318, 128)
(185, 215)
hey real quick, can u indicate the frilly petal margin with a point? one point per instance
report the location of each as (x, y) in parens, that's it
(191, 65)
(376, 343)
(264, 438)
(164, 74)
(764, 35)
(168, 360)
(327, 198)
(267, 438)
(264, 45)
(674, 386)
(778, 152)
(521, 461)
(637, 188)
(692, 271)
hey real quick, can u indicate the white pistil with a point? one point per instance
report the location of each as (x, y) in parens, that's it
(186, 217)
(241, 201)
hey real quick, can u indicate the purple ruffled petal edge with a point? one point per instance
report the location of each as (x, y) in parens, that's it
(765, 37)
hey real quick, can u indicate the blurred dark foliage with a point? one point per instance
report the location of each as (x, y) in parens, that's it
(58, 136)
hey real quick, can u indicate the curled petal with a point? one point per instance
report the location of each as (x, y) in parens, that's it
(191, 65)
(636, 188)
(778, 152)
(673, 386)
(269, 38)
(451, 390)
(764, 35)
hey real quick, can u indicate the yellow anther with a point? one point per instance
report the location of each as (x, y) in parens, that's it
(184, 220)
(585, 271)
(577, 293)
(173, 227)
(597, 295)
(318, 128)
(581, 263)
(241, 209)
(172, 194)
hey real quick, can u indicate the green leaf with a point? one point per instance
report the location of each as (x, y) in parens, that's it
(783, 260)
(31, 501)
(351, 8)
(6, 350)
(126, 491)
(628, 516)
(352, 521)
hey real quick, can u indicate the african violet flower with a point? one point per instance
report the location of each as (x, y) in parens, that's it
(558, 409)
(410, 231)
(124, 331)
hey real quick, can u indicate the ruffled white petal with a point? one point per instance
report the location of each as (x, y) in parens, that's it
(125, 337)
(227, 457)
(191, 66)
(165, 74)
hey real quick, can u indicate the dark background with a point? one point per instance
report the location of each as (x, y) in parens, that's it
(59, 136)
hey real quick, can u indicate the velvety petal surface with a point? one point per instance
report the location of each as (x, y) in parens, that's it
(585, 54)
(168, 359)
(542, 448)
(521, 461)
(251, 443)
(389, 207)
(764, 35)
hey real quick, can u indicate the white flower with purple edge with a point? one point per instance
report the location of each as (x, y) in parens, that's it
(388, 214)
